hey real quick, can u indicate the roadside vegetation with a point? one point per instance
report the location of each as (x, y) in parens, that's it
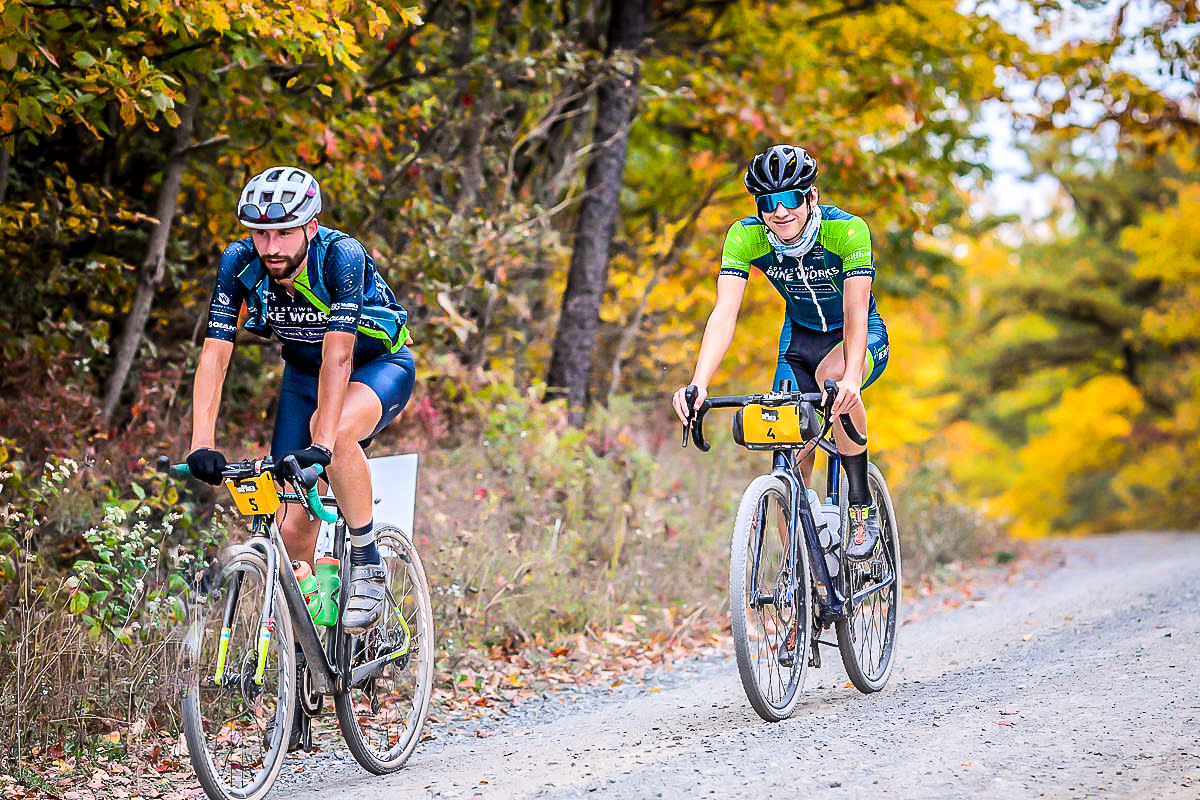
(1044, 376)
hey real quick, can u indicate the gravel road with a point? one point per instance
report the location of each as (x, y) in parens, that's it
(1075, 679)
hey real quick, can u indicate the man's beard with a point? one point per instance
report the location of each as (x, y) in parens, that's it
(282, 270)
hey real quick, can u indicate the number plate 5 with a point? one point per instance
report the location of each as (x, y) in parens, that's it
(256, 495)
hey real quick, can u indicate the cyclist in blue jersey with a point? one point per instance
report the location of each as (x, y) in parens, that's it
(819, 258)
(347, 372)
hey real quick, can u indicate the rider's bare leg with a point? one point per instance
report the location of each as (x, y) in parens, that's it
(350, 477)
(349, 474)
(833, 367)
(298, 532)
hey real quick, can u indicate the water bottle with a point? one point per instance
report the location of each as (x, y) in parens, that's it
(830, 542)
(328, 581)
(309, 587)
(833, 516)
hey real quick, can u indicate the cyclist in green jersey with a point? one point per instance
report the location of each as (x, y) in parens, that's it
(819, 259)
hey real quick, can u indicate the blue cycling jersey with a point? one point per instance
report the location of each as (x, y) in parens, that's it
(338, 290)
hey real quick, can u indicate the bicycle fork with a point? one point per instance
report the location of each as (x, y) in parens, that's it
(227, 627)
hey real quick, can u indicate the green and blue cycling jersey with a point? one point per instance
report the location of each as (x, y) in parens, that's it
(812, 287)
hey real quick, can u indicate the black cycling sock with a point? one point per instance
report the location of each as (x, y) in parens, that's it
(363, 553)
(856, 476)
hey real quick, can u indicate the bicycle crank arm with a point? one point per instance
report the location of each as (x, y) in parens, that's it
(375, 666)
(862, 594)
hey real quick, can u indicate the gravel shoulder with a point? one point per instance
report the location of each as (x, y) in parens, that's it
(1075, 678)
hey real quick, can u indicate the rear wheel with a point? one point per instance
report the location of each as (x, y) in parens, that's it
(769, 609)
(867, 637)
(236, 724)
(381, 716)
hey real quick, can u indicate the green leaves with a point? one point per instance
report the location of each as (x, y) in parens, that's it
(78, 603)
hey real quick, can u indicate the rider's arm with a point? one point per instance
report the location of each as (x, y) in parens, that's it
(858, 266)
(344, 277)
(223, 307)
(855, 303)
(718, 332)
(206, 391)
(337, 361)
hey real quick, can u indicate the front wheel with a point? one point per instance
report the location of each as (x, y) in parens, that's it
(382, 713)
(237, 707)
(769, 607)
(867, 636)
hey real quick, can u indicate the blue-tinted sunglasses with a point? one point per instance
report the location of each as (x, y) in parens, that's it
(792, 198)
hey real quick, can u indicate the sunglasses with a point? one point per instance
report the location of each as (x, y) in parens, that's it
(274, 212)
(792, 198)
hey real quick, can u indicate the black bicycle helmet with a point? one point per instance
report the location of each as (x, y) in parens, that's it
(781, 167)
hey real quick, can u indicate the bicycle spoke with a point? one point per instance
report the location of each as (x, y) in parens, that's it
(382, 715)
(763, 603)
(867, 638)
(228, 724)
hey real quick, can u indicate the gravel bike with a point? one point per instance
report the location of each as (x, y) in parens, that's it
(243, 677)
(782, 595)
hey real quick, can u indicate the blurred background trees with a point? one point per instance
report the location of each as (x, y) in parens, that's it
(547, 186)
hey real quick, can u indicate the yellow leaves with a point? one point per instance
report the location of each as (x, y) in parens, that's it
(411, 16)
(1087, 431)
(378, 24)
(1165, 243)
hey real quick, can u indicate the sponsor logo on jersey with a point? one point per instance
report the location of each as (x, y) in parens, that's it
(292, 316)
(794, 273)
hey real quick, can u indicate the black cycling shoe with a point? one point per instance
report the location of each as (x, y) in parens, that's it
(864, 532)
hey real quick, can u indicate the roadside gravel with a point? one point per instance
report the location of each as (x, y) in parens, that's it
(1076, 678)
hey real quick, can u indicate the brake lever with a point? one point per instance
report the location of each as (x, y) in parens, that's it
(689, 395)
(831, 391)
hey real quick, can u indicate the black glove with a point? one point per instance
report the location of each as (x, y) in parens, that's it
(313, 454)
(206, 464)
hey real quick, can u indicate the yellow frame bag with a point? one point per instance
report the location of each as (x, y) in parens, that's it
(256, 495)
(758, 427)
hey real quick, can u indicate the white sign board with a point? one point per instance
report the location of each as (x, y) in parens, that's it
(394, 485)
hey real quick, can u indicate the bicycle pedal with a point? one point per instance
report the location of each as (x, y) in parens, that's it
(877, 569)
(814, 657)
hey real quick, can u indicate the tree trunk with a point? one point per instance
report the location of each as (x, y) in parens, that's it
(616, 102)
(150, 274)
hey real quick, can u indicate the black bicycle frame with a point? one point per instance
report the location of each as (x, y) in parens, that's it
(830, 600)
(328, 674)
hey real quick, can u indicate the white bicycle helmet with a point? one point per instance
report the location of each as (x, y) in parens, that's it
(279, 197)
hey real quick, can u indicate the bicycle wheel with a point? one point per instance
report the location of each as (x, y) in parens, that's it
(381, 717)
(766, 605)
(236, 725)
(867, 637)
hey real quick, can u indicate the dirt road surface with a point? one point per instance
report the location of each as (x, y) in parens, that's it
(1075, 679)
